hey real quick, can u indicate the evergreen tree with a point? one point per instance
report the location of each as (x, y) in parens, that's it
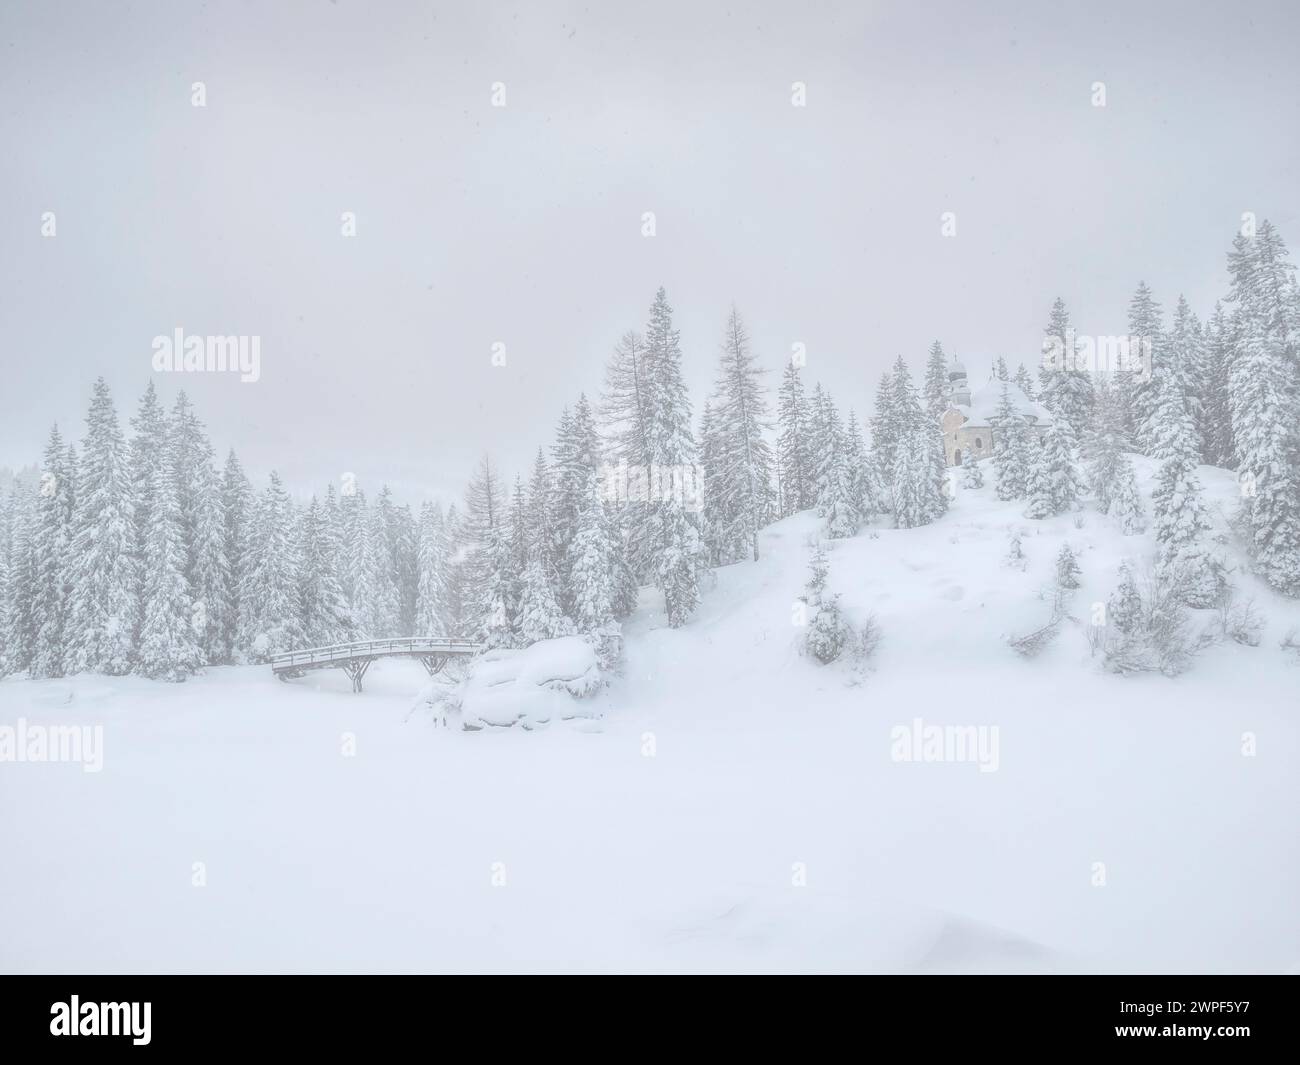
(836, 495)
(972, 476)
(1067, 568)
(272, 615)
(1136, 394)
(496, 605)
(1025, 381)
(936, 389)
(169, 644)
(742, 456)
(1066, 389)
(592, 567)
(1216, 404)
(919, 479)
(326, 616)
(575, 454)
(1011, 451)
(1124, 606)
(794, 457)
(104, 602)
(1265, 399)
(1055, 481)
(51, 562)
(1180, 520)
(19, 641)
(1000, 371)
(885, 438)
(236, 507)
(433, 561)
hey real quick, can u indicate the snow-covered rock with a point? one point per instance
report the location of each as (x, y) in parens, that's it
(531, 686)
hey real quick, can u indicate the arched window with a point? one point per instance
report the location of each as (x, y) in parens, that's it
(979, 444)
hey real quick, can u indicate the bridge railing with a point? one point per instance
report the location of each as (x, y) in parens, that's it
(363, 648)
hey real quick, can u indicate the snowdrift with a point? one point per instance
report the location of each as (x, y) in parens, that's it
(532, 686)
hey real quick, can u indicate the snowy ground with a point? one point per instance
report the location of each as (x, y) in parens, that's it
(734, 807)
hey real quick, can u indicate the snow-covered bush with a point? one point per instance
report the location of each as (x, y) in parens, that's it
(530, 686)
(1067, 568)
(827, 632)
(1150, 629)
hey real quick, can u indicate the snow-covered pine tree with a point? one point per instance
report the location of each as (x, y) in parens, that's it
(591, 564)
(1067, 568)
(381, 617)
(236, 508)
(627, 406)
(6, 548)
(1011, 452)
(794, 456)
(1066, 389)
(203, 521)
(432, 561)
(169, 640)
(575, 453)
(539, 616)
(272, 617)
(1000, 371)
(496, 604)
(713, 520)
(1025, 380)
(1183, 558)
(51, 563)
(936, 388)
(485, 509)
(1135, 390)
(920, 476)
(1186, 357)
(1216, 403)
(862, 471)
(104, 601)
(884, 438)
(19, 635)
(972, 475)
(1265, 385)
(326, 616)
(460, 612)
(1124, 606)
(1055, 486)
(673, 543)
(836, 494)
(1125, 501)
(743, 455)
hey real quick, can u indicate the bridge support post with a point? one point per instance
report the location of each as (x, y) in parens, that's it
(433, 664)
(356, 670)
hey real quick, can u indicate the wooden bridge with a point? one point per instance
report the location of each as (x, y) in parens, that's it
(434, 652)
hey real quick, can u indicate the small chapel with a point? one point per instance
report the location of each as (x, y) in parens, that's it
(968, 427)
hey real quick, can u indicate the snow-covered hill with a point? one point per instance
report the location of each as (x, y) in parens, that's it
(735, 806)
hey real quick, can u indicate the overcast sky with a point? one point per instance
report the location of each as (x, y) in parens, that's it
(523, 224)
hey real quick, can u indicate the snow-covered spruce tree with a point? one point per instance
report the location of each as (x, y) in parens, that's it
(485, 510)
(6, 549)
(1104, 443)
(169, 641)
(1067, 568)
(1015, 556)
(827, 632)
(148, 449)
(496, 602)
(326, 617)
(1184, 348)
(104, 602)
(19, 635)
(1216, 403)
(1025, 380)
(381, 610)
(1135, 391)
(884, 439)
(203, 521)
(460, 615)
(591, 565)
(1125, 500)
(627, 413)
(743, 479)
(236, 508)
(539, 616)
(1265, 385)
(1183, 560)
(432, 562)
(794, 456)
(575, 454)
(272, 618)
(1000, 370)
(972, 475)
(714, 531)
(51, 560)
(1011, 452)
(835, 485)
(936, 383)
(862, 471)
(673, 547)
(919, 495)
(1054, 484)
(1066, 389)
(1124, 606)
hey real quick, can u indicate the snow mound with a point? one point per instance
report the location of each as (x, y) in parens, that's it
(530, 686)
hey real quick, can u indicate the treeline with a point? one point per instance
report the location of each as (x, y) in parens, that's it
(138, 554)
